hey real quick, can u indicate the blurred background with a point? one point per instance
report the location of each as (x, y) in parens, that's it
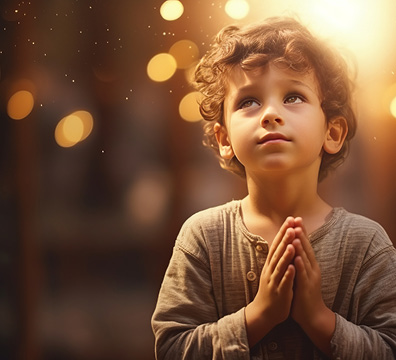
(101, 158)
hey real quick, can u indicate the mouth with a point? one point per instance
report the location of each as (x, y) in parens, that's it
(273, 138)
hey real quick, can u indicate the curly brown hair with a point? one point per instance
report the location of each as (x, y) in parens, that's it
(280, 40)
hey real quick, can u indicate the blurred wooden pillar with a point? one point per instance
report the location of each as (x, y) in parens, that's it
(26, 180)
(25, 174)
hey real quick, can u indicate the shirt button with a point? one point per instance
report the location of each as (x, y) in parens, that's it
(272, 346)
(251, 276)
(259, 248)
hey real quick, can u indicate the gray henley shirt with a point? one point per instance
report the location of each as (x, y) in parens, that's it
(214, 273)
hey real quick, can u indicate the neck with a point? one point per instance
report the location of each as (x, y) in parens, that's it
(276, 198)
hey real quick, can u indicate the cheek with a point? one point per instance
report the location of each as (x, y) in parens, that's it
(321, 133)
(242, 145)
(311, 132)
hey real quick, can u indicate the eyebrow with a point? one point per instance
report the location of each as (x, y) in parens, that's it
(239, 92)
(301, 83)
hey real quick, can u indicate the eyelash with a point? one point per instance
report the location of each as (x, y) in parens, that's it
(297, 96)
(243, 103)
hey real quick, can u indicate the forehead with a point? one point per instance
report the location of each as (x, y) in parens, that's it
(238, 78)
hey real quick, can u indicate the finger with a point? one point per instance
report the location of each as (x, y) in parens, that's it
(300, 223)
(288, 223)
(302, 231)
(281, 249)
(301, 276)
(283, 264)
(300, 267)
(306, 245)
(287, 281)
(302, 255)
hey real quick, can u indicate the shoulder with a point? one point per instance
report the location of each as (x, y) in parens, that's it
(352, 219)
(355, 225)
(211, 218)
(205, 230)
(356, 234)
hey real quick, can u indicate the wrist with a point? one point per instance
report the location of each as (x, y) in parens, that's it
(320, 329)
(258, 323)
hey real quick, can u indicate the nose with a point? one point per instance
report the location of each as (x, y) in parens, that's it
(271, 117)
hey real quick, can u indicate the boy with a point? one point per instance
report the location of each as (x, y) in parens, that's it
(280, 274)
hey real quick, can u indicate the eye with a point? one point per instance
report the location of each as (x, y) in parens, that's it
(248, 104)
(294, 99)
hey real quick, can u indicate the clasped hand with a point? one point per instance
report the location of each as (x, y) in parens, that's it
(290, 283)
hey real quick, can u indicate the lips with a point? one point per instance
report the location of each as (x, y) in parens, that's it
(273, 138)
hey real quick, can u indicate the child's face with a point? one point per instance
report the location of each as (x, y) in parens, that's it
(273, 120)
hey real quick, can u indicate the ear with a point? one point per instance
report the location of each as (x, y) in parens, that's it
(223, 140)
(337, 130)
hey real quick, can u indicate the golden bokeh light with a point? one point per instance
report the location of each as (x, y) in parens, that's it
(393, 107)
(73, 128)
(185, 52)
(388, 99)
(171, 10)
(87, 122)
(189, 108)
(161, 67)
(237, 9)
(20, 105)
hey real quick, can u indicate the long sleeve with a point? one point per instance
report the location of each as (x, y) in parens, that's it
(358, 264)
(370, 332)
(186, 320)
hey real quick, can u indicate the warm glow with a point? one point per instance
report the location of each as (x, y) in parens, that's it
(73, 128)
(363, 27)
(20, 105)
(185, 53)
(343, 16)
(189, 108)
(237, 9)
(161, 67)
(171, 10)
